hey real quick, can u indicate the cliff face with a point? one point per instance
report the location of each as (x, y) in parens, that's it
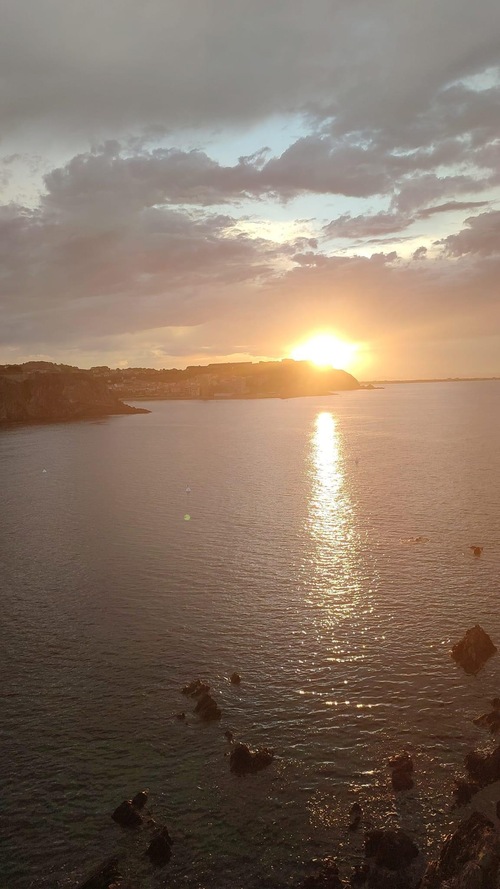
(58, 396)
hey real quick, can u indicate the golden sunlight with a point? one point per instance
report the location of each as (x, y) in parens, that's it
(326, 350)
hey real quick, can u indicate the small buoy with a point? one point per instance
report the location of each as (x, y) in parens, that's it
(477, 550)
(188, 490)
(44, 470)
(187, 517)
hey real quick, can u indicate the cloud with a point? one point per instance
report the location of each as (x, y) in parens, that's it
(481, 237)
(394, 108)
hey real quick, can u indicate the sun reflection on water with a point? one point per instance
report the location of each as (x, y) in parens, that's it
(335, 568)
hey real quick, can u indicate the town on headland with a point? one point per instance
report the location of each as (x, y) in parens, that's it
(41, 390)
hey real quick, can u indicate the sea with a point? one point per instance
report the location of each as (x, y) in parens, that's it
(321, 548)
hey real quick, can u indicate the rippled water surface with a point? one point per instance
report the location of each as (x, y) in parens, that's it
(297, 569)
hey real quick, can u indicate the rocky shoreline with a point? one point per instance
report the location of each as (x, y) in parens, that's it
(469, 858)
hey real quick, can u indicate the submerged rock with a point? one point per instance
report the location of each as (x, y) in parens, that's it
(127, 815)
(243, 760)
(235, 679)
(207, 708)
(159, 849)
(473, 650)
(324, 876)
(106, 876)
(469, 859)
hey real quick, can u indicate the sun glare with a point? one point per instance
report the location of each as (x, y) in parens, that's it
(325, 350)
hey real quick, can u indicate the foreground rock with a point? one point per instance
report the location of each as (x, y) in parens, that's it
(473, 650)
(41, 397)
(127, 815)
(469, 859)
(159, 849)
(393, 861)
(242, 760)
(402, 768)
(106, 876)
(324, 876)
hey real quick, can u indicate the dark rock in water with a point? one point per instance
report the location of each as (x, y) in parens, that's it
(464, 791)
(235, 679)
(401, 780)
(469, 859)
(477, 550)
(391, 849)
(473, 650)
(140, 799)
(106, 876)
(401, 761)
(356, 814)
(181, 716)
(228, 735)
(483, 768)
(127, 815)
(243, 760)
(159, 849)
(402, 767)
(207, 708)
(196, 688)
(324, 876)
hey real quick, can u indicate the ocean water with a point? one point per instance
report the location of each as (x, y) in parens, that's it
(297, 567)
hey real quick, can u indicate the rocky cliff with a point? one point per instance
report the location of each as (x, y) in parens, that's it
(39, 397)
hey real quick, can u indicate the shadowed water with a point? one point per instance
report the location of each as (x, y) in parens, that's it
(297, 569)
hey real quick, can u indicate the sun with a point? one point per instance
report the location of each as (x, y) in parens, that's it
(326, 350)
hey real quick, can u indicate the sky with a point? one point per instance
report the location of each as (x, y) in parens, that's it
(189, 181)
